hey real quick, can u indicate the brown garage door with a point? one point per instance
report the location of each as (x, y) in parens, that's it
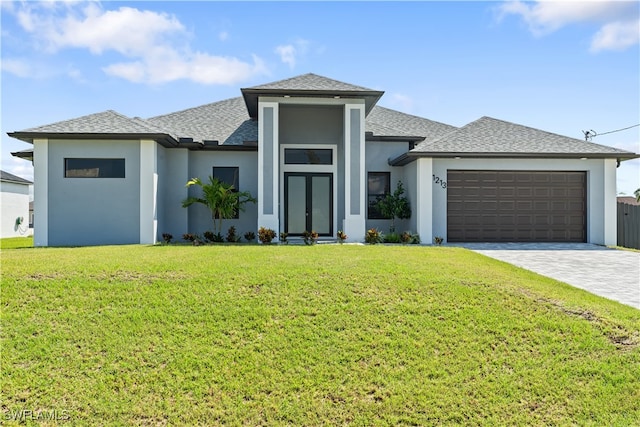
(516, 206)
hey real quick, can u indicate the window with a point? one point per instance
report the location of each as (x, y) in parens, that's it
(93, 168)
(308, 156)
(229, 175)
(378, 187)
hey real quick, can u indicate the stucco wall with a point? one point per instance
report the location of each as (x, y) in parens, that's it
(601, 197)
(14, 203)
(93, 211)
(201, 165)
(173, 172)
(377, 160)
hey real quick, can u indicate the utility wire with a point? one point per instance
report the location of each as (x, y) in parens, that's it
(590, 134)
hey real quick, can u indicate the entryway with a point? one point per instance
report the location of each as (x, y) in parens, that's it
(308, 203)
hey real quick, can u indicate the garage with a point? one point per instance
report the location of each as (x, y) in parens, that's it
(516, 206)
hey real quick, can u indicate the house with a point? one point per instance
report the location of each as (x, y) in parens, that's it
(317, 153)
(14, 204)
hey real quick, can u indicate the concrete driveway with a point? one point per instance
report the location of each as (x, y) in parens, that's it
(611, 273)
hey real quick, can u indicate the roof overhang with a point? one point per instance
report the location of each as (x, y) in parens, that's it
(251, 96)
(24, 154)
(409, 157)
(162, 138)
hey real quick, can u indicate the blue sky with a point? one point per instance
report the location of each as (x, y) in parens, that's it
(563, 67)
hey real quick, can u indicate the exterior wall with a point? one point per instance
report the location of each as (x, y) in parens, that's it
(40, 192)
(14, 203)
(201, 165)
(89, 211)
(377, 160)
(601, 191)
(173, 174)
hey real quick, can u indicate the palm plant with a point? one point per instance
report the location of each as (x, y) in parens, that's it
(222, 200)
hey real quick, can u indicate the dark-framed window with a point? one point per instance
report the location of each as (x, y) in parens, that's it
(229, 175)
(378, 186)
(308, 156)
(93, 168)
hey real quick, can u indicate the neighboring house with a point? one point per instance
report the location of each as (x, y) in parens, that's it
(316, 152)
(14, 203)
(628, 200)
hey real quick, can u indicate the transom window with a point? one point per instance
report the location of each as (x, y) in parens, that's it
(231, 176)
(378, 185)
(93, 168)
(308, 156)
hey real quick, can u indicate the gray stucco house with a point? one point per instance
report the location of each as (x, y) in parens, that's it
(315, 152)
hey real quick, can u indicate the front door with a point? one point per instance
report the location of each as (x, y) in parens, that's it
(308, 203)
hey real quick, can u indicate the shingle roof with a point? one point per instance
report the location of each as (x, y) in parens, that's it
(225, 121)
(6, 176)
(391, 122)
(104, 123)
(492, 136)
(309, 85)
(314, 82)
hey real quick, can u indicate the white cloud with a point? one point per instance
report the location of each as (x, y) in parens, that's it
(403, 102)
(617, 19)
(287, 54)
(616, 36)
(290, 53)
(153, 42)
(17, 67)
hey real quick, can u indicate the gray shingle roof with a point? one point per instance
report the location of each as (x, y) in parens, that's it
(309, 85)
(492, 136)
(6, 176)
(225, 121)
(105, 123)
(396, 123)
(314, 82)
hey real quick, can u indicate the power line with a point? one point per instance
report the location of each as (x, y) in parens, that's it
(590, 134)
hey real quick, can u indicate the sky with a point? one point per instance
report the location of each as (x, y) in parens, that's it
(563, 66)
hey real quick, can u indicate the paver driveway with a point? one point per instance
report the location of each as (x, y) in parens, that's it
(611, 273)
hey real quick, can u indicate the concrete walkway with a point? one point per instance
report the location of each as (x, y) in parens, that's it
(611, 273)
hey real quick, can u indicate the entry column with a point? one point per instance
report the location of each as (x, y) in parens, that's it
(354, 169)
(268, 162)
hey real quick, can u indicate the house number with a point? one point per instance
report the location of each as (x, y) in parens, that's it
(440, 182)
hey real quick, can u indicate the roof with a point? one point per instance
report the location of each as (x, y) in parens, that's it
(384, 121)
(9, 177)
(628, 200)
(225, 122)
(106, 124)
(491, 137)
(231, 125)
(309, 85)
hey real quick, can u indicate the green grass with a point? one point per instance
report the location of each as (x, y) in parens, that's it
(296, 335)
(16, 242)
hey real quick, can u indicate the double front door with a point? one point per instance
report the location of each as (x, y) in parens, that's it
(308, 203)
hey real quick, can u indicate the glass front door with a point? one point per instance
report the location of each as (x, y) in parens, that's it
(308, 203)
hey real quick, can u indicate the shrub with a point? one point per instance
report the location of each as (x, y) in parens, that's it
(283, 237)
(415, 239)
(372, 236)
(310, 237)
(342, 236)
(213, 237)
(231, 235)
(189, 237)
(406, 237)
(167, 237)
(438, 240)
(193, 238)
(250, 236)
(391, 238)
(266, 235)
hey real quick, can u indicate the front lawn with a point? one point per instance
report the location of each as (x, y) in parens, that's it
(307, 335)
